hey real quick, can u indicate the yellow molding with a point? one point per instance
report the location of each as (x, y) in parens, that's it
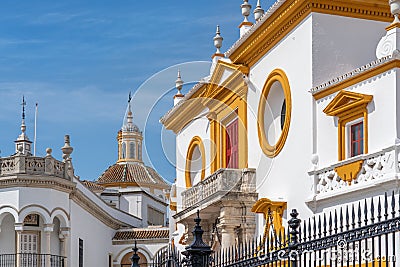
(349, 106)
(275, 209)
(292, 13)
(358, 78)
(173, 206)
(272, 150)
(392, 26)
(196, 141)
(349, 171)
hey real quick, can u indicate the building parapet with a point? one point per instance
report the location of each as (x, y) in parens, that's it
(22, 164)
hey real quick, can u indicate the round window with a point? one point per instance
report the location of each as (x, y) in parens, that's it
(274, 112)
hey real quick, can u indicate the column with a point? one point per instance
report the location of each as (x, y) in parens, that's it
(48, 229)
(227, 236)
(64, 243)
(18, 229)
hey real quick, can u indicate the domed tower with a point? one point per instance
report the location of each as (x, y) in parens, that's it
(129, 184)
(129, 139)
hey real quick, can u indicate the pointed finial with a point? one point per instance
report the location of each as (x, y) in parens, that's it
(218, 40)
(258, 11)
(179, 82)
(246, 7)
(23, 104)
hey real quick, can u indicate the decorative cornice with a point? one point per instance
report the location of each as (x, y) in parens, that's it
(59, 184)
(284, 15)
(355, 76)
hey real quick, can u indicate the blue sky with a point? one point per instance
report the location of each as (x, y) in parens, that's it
(80, 59)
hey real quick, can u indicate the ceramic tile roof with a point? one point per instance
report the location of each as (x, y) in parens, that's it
(92, 185)
(142, 233)
(132, 172)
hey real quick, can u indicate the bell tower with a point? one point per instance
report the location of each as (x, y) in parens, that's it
(23, 144)
(129, 138)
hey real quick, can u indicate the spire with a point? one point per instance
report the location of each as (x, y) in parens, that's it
(178, 84)
(22, 144)
(258, 11)
(246, 24)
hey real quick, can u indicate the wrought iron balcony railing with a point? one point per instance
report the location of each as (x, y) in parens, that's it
(218, 184)
(31, 260)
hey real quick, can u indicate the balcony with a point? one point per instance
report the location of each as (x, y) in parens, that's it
(361, 173)
(223, 184)
(31, 260)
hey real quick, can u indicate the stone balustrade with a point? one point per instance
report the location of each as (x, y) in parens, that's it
(361, 170)
(219, 184)
(21, 164)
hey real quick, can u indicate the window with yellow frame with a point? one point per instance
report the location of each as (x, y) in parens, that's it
(350, 108)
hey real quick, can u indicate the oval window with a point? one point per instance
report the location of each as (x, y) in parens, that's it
(195, 162)
(274, 112)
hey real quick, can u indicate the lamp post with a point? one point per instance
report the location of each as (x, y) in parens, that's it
(198, 253)
(135, 257)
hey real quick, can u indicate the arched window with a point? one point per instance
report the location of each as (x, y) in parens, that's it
(123, 150)
(132, 150)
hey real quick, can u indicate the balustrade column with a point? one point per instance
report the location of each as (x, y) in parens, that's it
(48, 229)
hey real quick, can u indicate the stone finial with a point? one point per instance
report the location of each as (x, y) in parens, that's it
(218, 40)
(395, 9)
(179, 82)
(48, 152)
(258, 11)
(67, 148)
(246, 7)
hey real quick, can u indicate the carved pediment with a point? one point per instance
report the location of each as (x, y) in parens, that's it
(225, 76)
(345, 101)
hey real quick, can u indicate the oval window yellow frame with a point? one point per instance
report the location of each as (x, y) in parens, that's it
(196, 141)
(272, 150)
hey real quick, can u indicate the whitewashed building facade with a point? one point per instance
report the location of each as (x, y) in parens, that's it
(301, 112)
(49, 217)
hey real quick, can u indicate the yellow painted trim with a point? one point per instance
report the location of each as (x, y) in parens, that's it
(349, 171)
(209, 94)
(292, 13)
(196, 141)
(272, 150)
(276, 209)
(358, 78)
(349, 106)
(173, 206)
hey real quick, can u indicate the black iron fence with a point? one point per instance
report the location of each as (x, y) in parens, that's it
(31, 260)
(362, 235)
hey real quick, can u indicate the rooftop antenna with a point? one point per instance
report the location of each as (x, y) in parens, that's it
(34, 135)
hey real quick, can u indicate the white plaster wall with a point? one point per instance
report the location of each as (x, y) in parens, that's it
(341, 44)
(381, 118)
(96, 246)
(285, 176)
(132, 203)
(198, 127)
(7, 235)
(147, 201)
(45, 199)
